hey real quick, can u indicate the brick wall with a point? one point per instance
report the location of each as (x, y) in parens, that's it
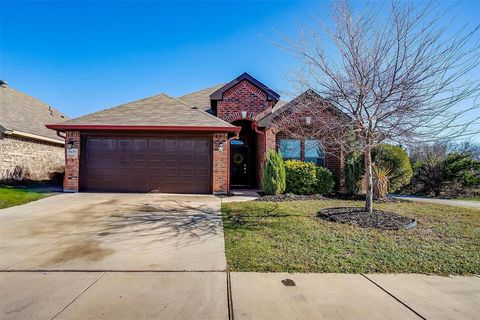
(72, 161)
(243, 97)
(220, 163)
(28, 159)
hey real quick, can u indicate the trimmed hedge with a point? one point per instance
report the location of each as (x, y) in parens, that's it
(307, 178)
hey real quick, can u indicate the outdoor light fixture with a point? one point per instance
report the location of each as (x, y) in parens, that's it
(220, 146)
(308, 120)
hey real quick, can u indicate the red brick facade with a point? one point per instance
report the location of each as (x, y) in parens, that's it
(220, 163)
(243, 101)
(244, 97)
(72, 161)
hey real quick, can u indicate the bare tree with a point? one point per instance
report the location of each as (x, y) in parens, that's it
(404, 77)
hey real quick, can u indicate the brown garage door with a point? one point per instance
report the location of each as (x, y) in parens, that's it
(146, 164)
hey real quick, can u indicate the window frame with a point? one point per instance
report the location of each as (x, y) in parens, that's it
(320, 159)
(299, 149)
(303, 150)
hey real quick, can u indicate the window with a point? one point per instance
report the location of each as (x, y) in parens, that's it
(290, 149)
(314, 152)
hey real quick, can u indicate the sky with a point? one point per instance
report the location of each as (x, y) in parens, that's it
(81, 56)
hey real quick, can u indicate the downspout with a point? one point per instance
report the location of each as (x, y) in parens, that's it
(58, 134)
(261, 132)
(236, 136)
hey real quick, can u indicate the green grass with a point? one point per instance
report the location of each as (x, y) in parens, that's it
(287, 237)
(10, 196)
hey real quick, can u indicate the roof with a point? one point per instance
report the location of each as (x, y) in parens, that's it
(154, 113)
(201, 98)
(278, 105)
(309, 95)
(218, 95)
(24, 115)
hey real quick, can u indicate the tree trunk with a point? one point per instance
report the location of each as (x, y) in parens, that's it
(369, 178)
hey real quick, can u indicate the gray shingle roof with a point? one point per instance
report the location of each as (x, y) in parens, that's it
(20, 112)
(201, 98)
(160, 110)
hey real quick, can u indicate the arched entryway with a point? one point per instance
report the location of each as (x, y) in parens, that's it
(243, 157)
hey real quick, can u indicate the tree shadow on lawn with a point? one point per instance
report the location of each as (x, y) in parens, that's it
(253, 217)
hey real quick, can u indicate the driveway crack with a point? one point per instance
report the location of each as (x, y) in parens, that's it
(394, 297)
(33, 253)
(74, 299)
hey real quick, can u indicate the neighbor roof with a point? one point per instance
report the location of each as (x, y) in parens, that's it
(21, 114)
(154, 112)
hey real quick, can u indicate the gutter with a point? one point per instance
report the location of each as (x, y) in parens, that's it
(63, 127)
(29, 135)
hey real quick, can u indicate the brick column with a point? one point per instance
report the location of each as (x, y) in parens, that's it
(220, 163)
(72, 161)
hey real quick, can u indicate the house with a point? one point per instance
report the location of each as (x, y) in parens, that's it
(204, 142)
(28, 150)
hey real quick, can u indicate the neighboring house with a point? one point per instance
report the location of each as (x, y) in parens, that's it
(203, 142)
(28, 150)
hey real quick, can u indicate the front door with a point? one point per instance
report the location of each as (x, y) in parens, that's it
(240, 164)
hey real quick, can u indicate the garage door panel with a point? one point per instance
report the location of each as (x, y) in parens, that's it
(146, 164)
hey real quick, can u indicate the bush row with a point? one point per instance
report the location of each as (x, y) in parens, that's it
(295, 177)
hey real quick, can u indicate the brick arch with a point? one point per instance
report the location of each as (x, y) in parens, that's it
(239, 116)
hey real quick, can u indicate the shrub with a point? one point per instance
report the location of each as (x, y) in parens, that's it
(354, 170)
(325, 181)
(428, 176)
(274, 174)
(462, 169)
(380, 181)
(396, 159)
(301, 177)
(307, 178)
(452, 175)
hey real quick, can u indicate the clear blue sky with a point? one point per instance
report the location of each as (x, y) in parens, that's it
(84, 56)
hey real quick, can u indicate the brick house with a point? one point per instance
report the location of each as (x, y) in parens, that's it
(207, 141)
(28, 150)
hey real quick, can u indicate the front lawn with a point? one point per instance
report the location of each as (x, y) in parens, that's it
(10, 196)
(287, 237)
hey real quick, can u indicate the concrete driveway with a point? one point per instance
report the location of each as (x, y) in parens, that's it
(91, 231)
(113, 256)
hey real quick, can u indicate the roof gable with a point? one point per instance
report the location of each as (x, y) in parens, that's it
(309, 96)
(218, 95)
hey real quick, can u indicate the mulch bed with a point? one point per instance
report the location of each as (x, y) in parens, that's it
(290, 197)
(378, 219)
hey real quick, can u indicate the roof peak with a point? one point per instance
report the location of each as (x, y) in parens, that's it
(271, 95)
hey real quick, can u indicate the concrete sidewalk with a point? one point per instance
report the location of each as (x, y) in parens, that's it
(347, 296)
(447, 202)
(212, 295)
